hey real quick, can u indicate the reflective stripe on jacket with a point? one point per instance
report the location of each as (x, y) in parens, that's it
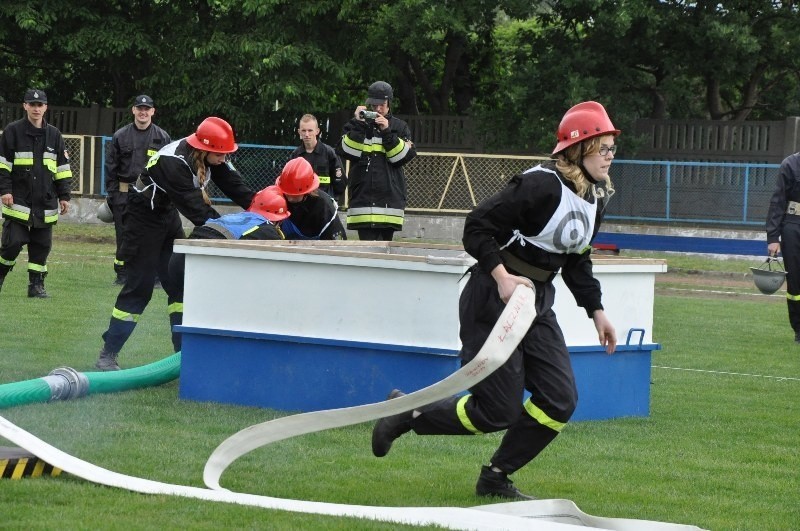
(37, 173)
(377, 182)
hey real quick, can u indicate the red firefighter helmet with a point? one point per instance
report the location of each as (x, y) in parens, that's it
(270, 203)
(583, 121)
(214, 135)
(297, 178)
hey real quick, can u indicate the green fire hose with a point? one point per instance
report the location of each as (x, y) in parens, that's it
(66, 383)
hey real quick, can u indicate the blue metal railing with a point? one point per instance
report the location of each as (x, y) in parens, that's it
(723, 193)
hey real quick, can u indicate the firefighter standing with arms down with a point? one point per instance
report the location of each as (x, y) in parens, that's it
(131, 147)
(543, 221)
(173, 182)
(34, 188)
(783, 233)
(322, 157)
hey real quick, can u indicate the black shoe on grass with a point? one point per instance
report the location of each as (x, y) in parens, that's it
(388, 429)
(497, 484)
(107, 361)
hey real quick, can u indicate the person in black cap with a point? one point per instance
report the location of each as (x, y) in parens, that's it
(130, 149)
(35, 179)
(377, 145)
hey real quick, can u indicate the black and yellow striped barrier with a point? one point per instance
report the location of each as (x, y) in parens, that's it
(16, 463)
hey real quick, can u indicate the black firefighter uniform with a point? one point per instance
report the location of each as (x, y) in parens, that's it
(376, 179)
(34, 168)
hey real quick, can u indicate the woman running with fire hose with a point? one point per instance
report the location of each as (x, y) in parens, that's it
(543, 221)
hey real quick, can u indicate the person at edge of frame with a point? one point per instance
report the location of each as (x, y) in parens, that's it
(174, 182)
(378, 145)
(315, 214)
(322, 157)
(541, 222)
(783, 233)
(131, 147)
(35, 178)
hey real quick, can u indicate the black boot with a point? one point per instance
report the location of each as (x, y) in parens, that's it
(122, 276)
(36, 285)
(107, 361)
(388, 429)
(491, 483)
(4, 270)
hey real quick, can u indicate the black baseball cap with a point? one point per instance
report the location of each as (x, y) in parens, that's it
(143, 100)
(35, 95)
(379, 93)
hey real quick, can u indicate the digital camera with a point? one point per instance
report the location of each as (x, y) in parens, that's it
(367, 115)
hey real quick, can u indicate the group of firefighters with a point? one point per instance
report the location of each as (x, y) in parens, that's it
(541, 223)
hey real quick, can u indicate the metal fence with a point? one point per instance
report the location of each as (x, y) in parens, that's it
(76, 147)
(713, 193)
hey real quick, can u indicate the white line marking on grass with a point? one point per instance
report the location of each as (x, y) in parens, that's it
(716, 292)
(779, 378)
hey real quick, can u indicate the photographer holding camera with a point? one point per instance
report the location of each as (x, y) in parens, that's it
(377, 145)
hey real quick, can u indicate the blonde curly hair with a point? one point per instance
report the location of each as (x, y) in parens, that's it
(567, 164)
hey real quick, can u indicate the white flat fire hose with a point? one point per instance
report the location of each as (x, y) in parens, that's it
(507, 333)
(544, 515)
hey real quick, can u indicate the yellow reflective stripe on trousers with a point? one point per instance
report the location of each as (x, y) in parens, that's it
(175, 307)
(792, 297)
(9, 263)
(37, 267)
(124, 316)
(461, 411)
(542, 418)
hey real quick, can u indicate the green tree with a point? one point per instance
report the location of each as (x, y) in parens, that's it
(514, 65)
(643, 58)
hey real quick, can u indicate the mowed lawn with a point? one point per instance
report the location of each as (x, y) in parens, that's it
(720, 449)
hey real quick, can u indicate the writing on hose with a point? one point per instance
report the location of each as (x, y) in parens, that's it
(511, 318)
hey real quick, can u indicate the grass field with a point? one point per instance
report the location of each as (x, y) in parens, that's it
(720, 450)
